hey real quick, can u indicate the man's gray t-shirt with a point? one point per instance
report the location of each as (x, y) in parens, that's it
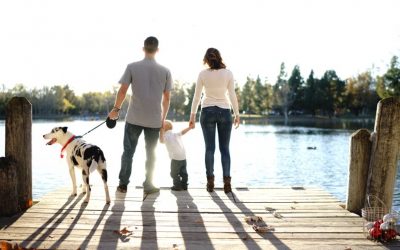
(148, 81)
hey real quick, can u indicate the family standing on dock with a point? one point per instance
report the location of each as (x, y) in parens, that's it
(151, 84)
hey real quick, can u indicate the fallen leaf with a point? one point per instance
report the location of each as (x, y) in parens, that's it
(124, 232)
(270, 209)
(262, 229)
(198, 221)
(249, 219)
(277, 215)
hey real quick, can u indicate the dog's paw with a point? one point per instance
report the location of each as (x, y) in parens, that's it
(73, 194)
(108, 202)
(86, 201)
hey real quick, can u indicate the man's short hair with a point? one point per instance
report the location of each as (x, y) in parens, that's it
(151, 44)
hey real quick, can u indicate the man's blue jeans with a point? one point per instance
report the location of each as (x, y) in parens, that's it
(131, 137)
(212, 119)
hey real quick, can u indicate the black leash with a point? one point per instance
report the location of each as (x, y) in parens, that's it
(80, 136)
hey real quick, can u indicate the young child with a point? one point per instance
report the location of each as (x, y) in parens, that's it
(176, 151)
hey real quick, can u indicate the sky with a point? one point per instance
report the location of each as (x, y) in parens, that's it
(88, 43)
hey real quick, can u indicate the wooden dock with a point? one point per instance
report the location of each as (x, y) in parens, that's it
(193, 219)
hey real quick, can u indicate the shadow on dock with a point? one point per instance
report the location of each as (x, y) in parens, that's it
(57, 218)
(247, 212)
(197, 219)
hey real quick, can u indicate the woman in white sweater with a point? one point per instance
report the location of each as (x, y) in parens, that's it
(217, 85)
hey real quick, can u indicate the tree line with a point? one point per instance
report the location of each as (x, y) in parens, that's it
(288, 95)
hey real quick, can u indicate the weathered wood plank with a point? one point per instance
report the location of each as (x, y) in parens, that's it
(244, 243)
(360, 151)
(194, 219)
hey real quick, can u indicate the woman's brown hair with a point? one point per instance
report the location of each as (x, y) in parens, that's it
(213, 59)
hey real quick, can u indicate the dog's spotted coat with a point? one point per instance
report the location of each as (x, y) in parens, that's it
(83, 155)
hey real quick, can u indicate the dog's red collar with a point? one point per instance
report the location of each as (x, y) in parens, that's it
(66, 144)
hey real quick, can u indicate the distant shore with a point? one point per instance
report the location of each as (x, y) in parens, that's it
(295, 120)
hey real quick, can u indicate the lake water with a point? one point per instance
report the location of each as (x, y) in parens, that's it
(262, 155)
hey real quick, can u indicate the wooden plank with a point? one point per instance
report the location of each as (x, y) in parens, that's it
(110, 235)
(194, 219)
(137, 243)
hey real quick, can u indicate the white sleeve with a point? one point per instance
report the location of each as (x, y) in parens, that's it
(197, 95)
(232, 95)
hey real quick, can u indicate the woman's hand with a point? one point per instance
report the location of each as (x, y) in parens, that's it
(236, 121)
(192, 121)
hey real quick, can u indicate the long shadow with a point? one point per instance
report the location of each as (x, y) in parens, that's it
(149, 236)
(247, 240)
(63, 211)
(247, 212)
(201, 230)
(113, 223)
(70, 228)
(85, 243)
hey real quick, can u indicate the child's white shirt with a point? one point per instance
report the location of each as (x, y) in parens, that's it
(173, 142)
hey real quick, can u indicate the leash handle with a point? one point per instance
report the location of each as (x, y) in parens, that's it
(90, 130)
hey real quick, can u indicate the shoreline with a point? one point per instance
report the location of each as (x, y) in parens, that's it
(345, 122)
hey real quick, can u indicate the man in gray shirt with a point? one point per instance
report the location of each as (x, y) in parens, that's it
(150, 83)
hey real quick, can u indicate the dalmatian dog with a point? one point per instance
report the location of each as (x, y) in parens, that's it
(80, 154)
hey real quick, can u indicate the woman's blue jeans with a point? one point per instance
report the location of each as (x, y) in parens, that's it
(131, 137)
(212, 119)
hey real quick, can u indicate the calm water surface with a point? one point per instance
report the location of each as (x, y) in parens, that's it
(262, 155)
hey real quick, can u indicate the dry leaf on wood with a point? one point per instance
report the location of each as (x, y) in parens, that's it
(249, 219)
(277, 215)
(262, 229)
(124, 232)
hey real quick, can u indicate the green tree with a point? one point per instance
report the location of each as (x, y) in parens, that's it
(178, 99)
(332, 90)
(71, 101)
(5, 97)
(189, 98)
(361, 97)
(296, 85)
(247, 103)
(310, 97)
(283, 97)
(261, 96)
(389, 84)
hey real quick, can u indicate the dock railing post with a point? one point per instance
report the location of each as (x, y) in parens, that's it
(385, 151)
(360, 150)
(16, 166)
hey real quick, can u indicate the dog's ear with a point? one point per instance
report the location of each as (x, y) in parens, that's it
(64, 129)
